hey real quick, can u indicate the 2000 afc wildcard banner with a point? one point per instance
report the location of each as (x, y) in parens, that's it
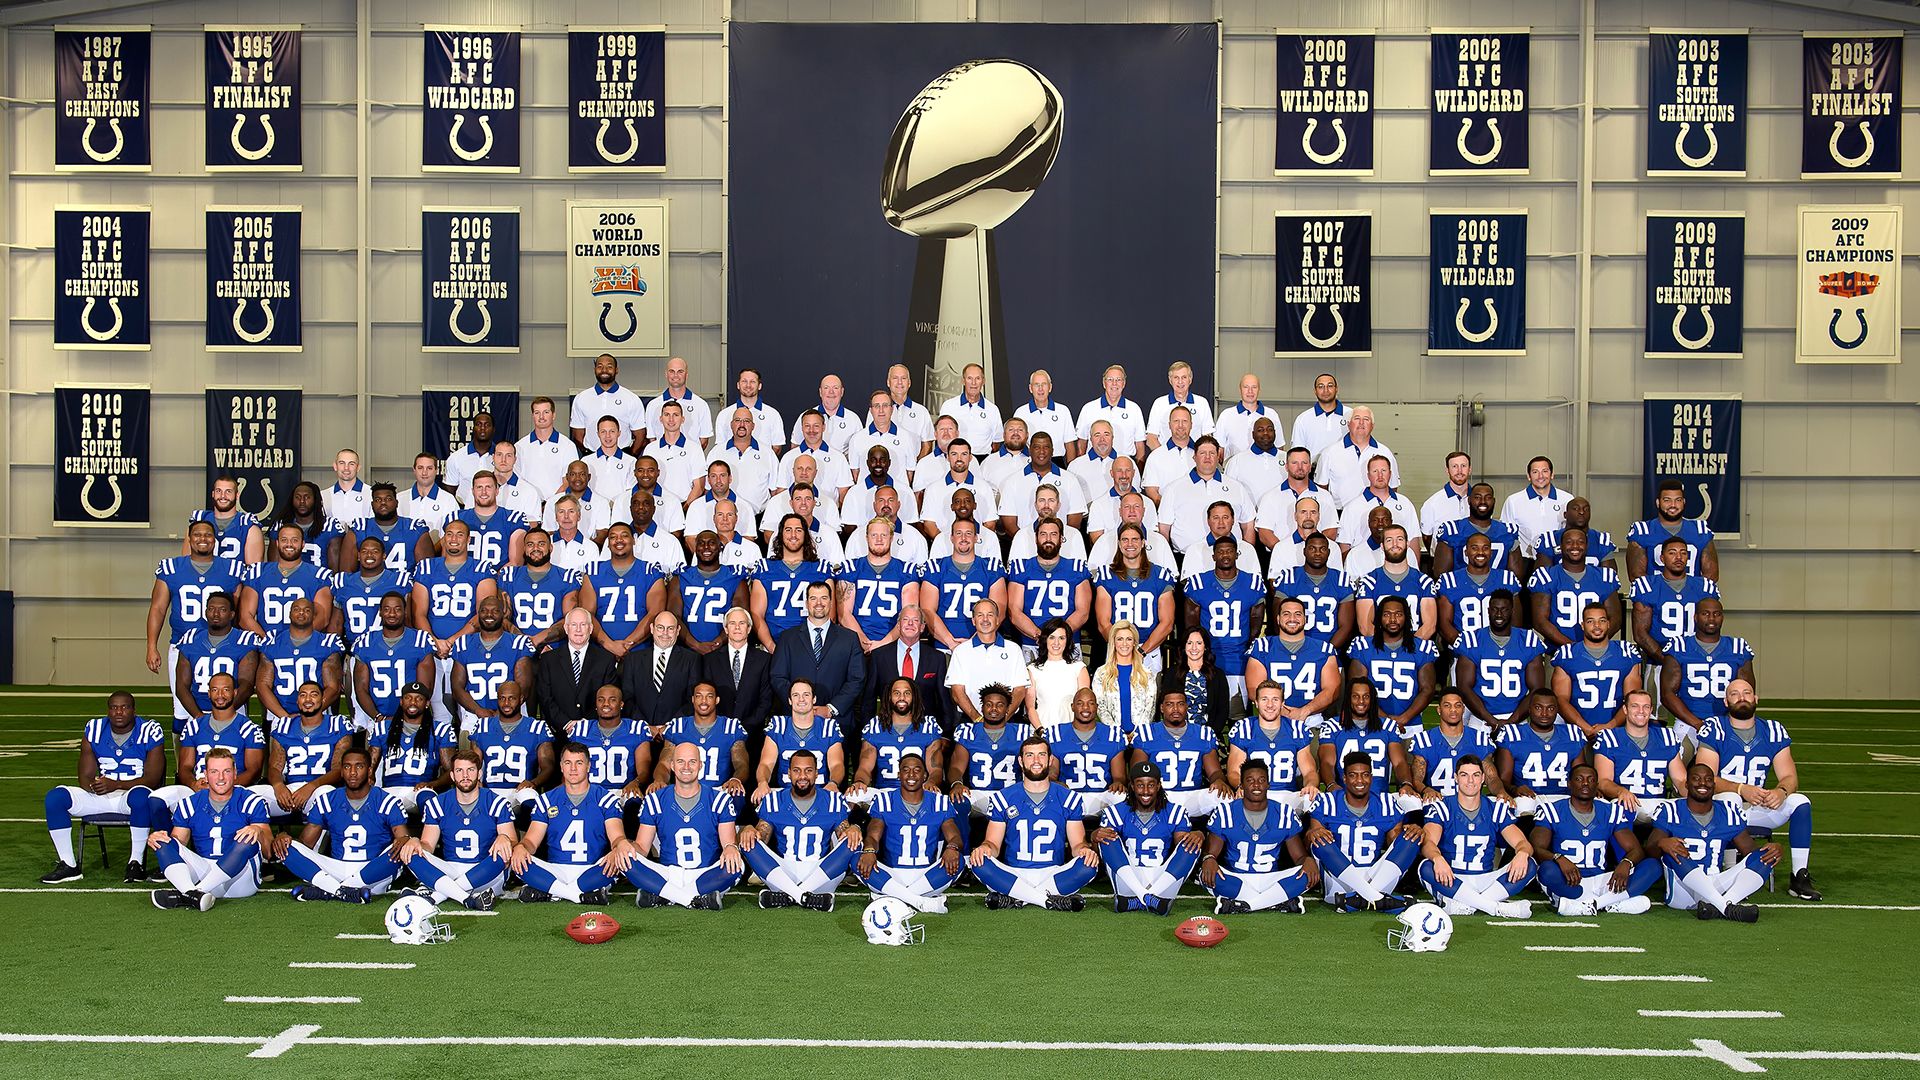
(1325, 262)
(1325, 104)
(100, 455)
(616, 278)
(102, 283)
(470, 113)
(1848, 289)
(1697, 103)
(1695, 440)
(253, 435)
(470, 270)
(253, 279)
(253, 99)
(1851, 126)
(446, 417)
(1696, 287)
(1477, 292)
(103, 99)
(1480, 82)
(617, 97)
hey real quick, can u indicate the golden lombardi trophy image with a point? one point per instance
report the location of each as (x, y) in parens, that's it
(970, 150)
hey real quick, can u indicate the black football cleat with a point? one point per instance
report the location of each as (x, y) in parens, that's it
(1073, 902)
(202, 900)
(818, 901)
(1001, 902)
(645, 899)
(1801, 886)
(1295, 906)
(480, 901)
(596, 897)
(1706, 912)
(354, 894)
(1747, 913)
(774, 898)
(61, 874)
(1227, 905)
(1159, 905)
(136, 873)
(171, 900)
(706, 902)
(1390, 904)
(305, 893)
(531, 895)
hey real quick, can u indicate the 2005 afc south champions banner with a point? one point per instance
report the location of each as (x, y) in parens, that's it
(1694, 439)
(1848, 288)
(1480, 87)
(1324, 102)
(253, 279)
(447, 413)
(253, 99)
(102, 288)
(253, 435)
(1696, 287)
(1477, 288)
(616, 99)
(470, 277)
(1325, 302)
(101, 456)
(103, 99)
(470, 111)
(1697, 103)
(616, 277)
(1850, 126)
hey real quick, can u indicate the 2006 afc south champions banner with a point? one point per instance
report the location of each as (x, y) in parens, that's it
(253, 435)
(470, 110)
(1848, 288)
(103, 99)
(1325, 302)
(1477, 287)
(101, 456)
(1694, 439)
(1324, 102)
(470, 277)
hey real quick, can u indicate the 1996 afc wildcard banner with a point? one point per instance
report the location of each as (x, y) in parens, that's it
(1480, 85)
(447, 414)
(616, 278)
(100, 455)
(1850, 128)
(1325, 302)
(253, 279)
(1477, 288)
(1324, 103)
(1696, 288)
(470, 276)
(617, 99)
(253, 99)
(102, 288)
(1847, 293)
(103, 99)
(470, 112)
(253, 435)
(1697, 103)
(1694, 439)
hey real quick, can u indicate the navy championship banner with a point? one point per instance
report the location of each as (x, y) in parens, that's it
(470, 278)
(253, 99)
(470, 111)
(253, 279)
(1851, 128)
(103, 99)
(616, 277)
(102, 295)
(446, 417)
(1697, 103)
(1325, 301)
(101, 458)
(1324, 101)
(253, 435)
(1480, 84)
(616, 99)
(1694, 439)
(1847, 293)
(1696, 284)
(1477, 292)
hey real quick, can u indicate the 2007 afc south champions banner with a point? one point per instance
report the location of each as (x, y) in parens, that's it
(616, 99)
(470, 110)
(253, 435)
(1325, 301)
(1696, 284)
(1480, 87)
(1694, 439)
(1697, 103)
(103, 99)
(470, 278)
(1850, 123)
(101, 458)
(1324, 102)
(253, 99)
(1477, 287)
(253, 279)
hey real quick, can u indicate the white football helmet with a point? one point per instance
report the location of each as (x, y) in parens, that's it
(412, 920)
(890, 921)
(1423, 928)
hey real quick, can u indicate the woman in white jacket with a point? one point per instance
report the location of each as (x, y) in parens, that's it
(1123, 685)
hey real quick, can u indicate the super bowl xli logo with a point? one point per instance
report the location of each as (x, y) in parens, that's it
(1849, 285)
(613, 281)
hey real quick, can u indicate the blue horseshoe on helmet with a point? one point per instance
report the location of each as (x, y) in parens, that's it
(1833, 329)
(633, 322)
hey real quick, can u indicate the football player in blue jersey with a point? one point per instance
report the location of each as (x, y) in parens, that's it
(1226, 603)
(295, 654)
(779, 599)
(270, 586)
(1050, 860)
(1435, 752)
(878, 583)
(181, 586)
(411, 751)
(1497, 665)
(628, 591)
(803, 845)
(1147, 844)
(216, 648)
(122, 759)
(1593, 676)
(721, 741)
(800, 729)
(539, 594)
(1576, 841)
(1188, 755)
(1363, 842)
(903, 727)
(1670, 522)
(329, 543)
(951, 586)
(1504, 546)
(913, 841)
(357, 593)
(1305, 668)
(518, 750)
(1397, 576)
(238, 534)
(985, 757)
(1403, 668)
(1466, 593)
(1748, 751)
(1282, 745)
(1533, 758)
(405, 542)
(1693, 834)
(1327, 593)
(446, 592)
(473, 831)
(1561, 591)
(1699, 667)
(690, 828)
(1360, 728)
(1089, 757)
(705, 592)
(1550, 547)
(386, 659)
(1048, 586)
(1635, 760)
(487, 658)
(1664, 603)
(365, 828)
(587, 845)
(212, 851)
(497, 536)
(619, 750)
(1461, 849)
(1133, 590)
(304, 752)
(1242, 864)
(222, 725)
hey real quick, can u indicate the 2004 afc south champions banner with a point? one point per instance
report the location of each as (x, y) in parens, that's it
(253, 99)
(1696, 284)
(1848, 286)
(253, 435)
(1480, 87)
(616, 99)
(101, 457)
(1325, 302)
(253, 279)
(1850, 126)
(103, 99)
(103, 285)
(1477, 287)
(470, 278)
(1324, 101)
(1694, 439)
(616, 278)
(1697, 103)
(470, 110)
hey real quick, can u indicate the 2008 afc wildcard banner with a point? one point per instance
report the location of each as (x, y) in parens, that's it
(470, 111)
(617, 99)
(1697, 103)
(1480, 86)
(616, 278)
(102, 287)
(447, 414)
(253, 435)
(103, 99)
(101, 458)
(1848, 286)
(1696, 284)
(1694, 439)
(1850, 128)
(470, 278)
(1324, 101)
(253, 279)
(1325, 301)
(1477, 287)
(253, 99)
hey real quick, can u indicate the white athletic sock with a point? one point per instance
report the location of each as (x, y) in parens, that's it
(1385, 876)
(1742, 884)
(1800, 856)
(215, 882)
(63, 844)
(678, 888)
(453, 887)
(1130, 882)
(816, 881)
(782, 880)
(180, 877)
(908, 885)
(1487, 901)
(138, 837)
(1632, 905)
(326, 882)
(1271, 896)
(1701, 885)
(1359, 882)
(1027, 892)
(565, 890)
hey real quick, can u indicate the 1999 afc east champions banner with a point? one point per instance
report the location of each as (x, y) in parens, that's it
(1697, 103)
(1477, 292)
(253, 98)
(470, 278)
(1696, 289)
(1848, 285)
(253, 279)
(102, 284)
(253, 435)
(1850, 128)
(1325, 302)
(101, 456)
(103, 99)
(1480, 86)
(616, 277)
(1324, 102)
(617, 99)
(470, 112)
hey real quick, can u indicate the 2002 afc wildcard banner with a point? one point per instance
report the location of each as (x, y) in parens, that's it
(253, 99)
(1696, 440)
(617, 99)
(100, 455)
(1477, 292)
(1325, 302)
(103, 99)
(470, 271)
(253, 435)
(1850, 129)
(253, 279)
(1696, 284)
(1848, 290)
(446, 417)
(1325, 104)
(1480, 84)
(616, 278)
(470, 113)
(102, 284)
(1697, 103)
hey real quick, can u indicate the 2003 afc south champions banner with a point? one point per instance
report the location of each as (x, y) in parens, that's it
(101, 456)
(616, 278)
(1697, 103)
(103, 99)
(470, 278)
(253, 435)
(1477, 287)
(1325, 301)
(1694, 439)
(1848, 288)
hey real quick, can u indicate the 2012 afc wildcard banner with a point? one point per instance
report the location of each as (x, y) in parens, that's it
(253, 279)
(1325, 301)
(1697, 103)
(253, 99)
(1694, 439)
(616, 277)
(447, 415)
(470, 111)
(1696, 284)
(1477, 288)
(101, 456)
(616, 99)
(1848, 287)
(470, 277)
(103, 99)
(1480, 86)
(102, 287)
(1324, 102)
(1850, 127)
(253, 435)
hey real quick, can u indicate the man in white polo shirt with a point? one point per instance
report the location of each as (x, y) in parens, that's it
(1234, 426)
(1343, 464)
(697, 419)
(1042, 413)
(1199, 408)
(1094, 464)
(1450, 502)
(842, 423)
(425, 501)
(768, 427)
(752, 463)
(1325, 421)
(682, 461)
(606, 397)
(936, 492)
(1289, 548)
(1381, 492)
(516, 492)
(543, 454)
(828, 470)
(349, 500)
(908, 413)
(903, 446)
(1274, 512)
(1184, 502)
(1260, 467)
(984, 659)
(1172, 455)
(1103, 509)
(1016, 496)
(979, 419)
(1540, 507)
(1128, 419)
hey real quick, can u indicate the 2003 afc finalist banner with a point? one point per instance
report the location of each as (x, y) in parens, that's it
(102, 285)
(1697, 103)
(617, 98)
(1480, 86)
(1325, 301)
(1848, 290)
(617, 278)
(1696, 284)
(1324, 102)
(253, 99)
(253, 279)
(1694, 439)
(1850, 127)
(470, 277)
(103, 99)
(253, 435)
(1477, 292)
(101, 456)
(470, 111)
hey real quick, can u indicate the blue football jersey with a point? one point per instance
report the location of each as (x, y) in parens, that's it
(538, 602)
(1227, 614)
(1598, 681)
(891, 743)
(410, 758)
(961, 589)
(390, 665)
(1373, 742)
(1705, 673)
(1361, 833)
(1135, 600)
(1542, 761)
(993, 758)
(1672, 602)
(320, 538)
(1569, 594)
(400, 540)
(687, 837)
(715, 744)
(296, 662)
(788, 739)
(1641, 768)
(910, 836)
(213, 826)
(1147, 837)
(188, 587)
(1086, 757)
(309, 750)
(1500, 667)
(1470, 841)
(1706, 840)
(466, 832)
(207, 657)
(1178, 753)
(1412, 586)
(1298, 669)
(358, 599)
(238, 735)
(610, 754)
(1504, 538)
(1588, 844)
(1746, 757)
(491, 541)
(124, 757)
(1599, 546)
(1323, 597)
(357, 833)
(1468, 597)
(1433, 747)
(621, 595)
(786, 588)
(705, 598)
(278, 588)
(487, 666)
(511, 753)
(1047, 593)
(1279, 748)
(1250, 848)
(1650, 535)
(577, 830)
(452, 593)
(803, 832)
(1394, 670)
(878, 593)
(1036, 828)
(230, 538)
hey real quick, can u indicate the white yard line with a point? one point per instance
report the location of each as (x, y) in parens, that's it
(359, 937)
(239, 999)
(1870, 835)
(1714, 1014)
(1721, 1053)
(1586, 948)
(1644, 978)
(1542, 925)
(348, 965)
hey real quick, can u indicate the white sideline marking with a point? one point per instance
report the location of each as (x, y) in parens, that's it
(1644, 978)
(1586, 948)
(237, 999)
(1721, 1053)
(1873, 835)
(1842, 907)
(467, 915)
(359, 937)
(285, 1041)
(1714, 1014)
(1518, 922)
(349, 965)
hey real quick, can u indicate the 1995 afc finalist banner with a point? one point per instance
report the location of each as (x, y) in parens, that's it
(616, 99)
(1324, 104)
(1697, 103)
(1480, 87)
(470, 107)
(102, 456)
(103, 99)
(253, 99)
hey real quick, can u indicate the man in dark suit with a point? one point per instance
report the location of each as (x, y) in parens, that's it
(742, 672)
(928, 668)
(658, 680)
(562, 695)
(825, 653)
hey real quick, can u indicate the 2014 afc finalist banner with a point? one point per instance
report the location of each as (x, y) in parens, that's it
(1325, 104)
(1480, 85)
(470, 276)
(1696, 284)
(470, 112)
(103, 99)
(1697, 103)
(102, 280)
(1850, 128)
(1848, 290)
(253, 279)
(253, 99)
(101, 456)
(1477, 292)
(616, 277)
(1325, 301)
(253, 435)
(1694, 439)
(446, 417)
(617, 99)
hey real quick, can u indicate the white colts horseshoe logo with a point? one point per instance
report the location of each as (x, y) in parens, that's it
(633, 142)
(1460, 321)
(86, 319)
(1706, 503)
(1680, 146)
(86, 501)
(1460, 141)
(486, 323)
(252, 337)
(1679, 313)
(240, 488)
(86, 140)
(461, 152)
(1328, 342)
(1833, 146)
(266, 124)
(1306, 141)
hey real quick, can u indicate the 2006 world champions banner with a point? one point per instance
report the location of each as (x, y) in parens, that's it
(253, 279)
(470, 278)
(616, 99)
(102, 287)
(1697, 103)
(1480, 84)
(1694, 439)
(1696, 289)
(1850, 127)
(253, 99)
(1477, 287)
(447, 414)
(616, 278)
(1848, 290)
(101, 458)
(103, 99)
(1325, 302)
(1324, 101)
(470, 112)
(253, 435)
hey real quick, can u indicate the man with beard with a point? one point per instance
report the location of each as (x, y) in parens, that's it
(1466, 593)
(446, 592)
(824, 655)
(1600, 547)
(799, 730)
(1700, 666)
(985, 758)
(1089, 757)
(1147, 845)
(1035, 852)
(1326, 593)
(385, 659)
(1188, 755)
(619, 750)
(473, 831)
(1227, 600)
(1133, 509)
(1577, 838)
(122, 759)
(270, 586)
(902, 728)
(689, 828)
(1272, 738)
(181, 586)
(411, 750)
(329, 542)
(425, 503)
(1534, 757)
(721, 740)
(486, 659)
(216, 648)
(1326, 420)
(1436, 752)
(1592, 676)
(537, 596)
(1496, 665)
(802, 845)
(587, 844)
(295, 654)
(1396, 576)
(1363, 840)
(1747, 751)
(365, 827)
(1242, 864)
(1645, 538)
(1048, 586)
(213, 851)
(518, 750)
(857, 503)
(1400, 664)
(1503, 540)
(495, 534)
(237, 534)
(669, 513)
(1564, 589)
(1274, 514)
(1692, 836)
(405, 540)
(304, 753)
(357, 595)
(781, 584)
(606, 398)
(1664, 603)
(1461, 850)
(630, 594)
(1305, 668)
(706, 591)
(913, 842)
(1451, 503)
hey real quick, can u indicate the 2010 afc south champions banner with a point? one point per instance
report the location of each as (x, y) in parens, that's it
(616, 277)
(616, 99)
(470, 111)
(1696, 284)
(1697, 103)
(1477, 288)
(1848, 285)
(253, 99)
(470, 278)
(253, 279)
(1480, 86)
(1324, 102)
(253, 435)
(103, 99)
(1850, 126)
(1694, 439)
(1325, 301)
(102, 287)
(101, 460)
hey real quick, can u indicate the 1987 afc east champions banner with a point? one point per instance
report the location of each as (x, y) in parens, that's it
(470, 110)
(617, 277)
(1324, 104)
(1477, 288)
(253, 99)
(1848, 289)
(1850, 126)
(1696, 284)
(103, 99)
(1480, 88)
(470, 278)
(616, 99)
(101, 458)
(102, 283)
(1325, 301)
(1697, 103)
(253, 279)
(253, 435)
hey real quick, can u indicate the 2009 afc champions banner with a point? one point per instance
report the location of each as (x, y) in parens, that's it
(102, 288)
(447, 413)
(253, 279)
(616, 277)
(1324, 102)
(1694, 439)
(1696, 287)
(103, 99)
(470, 278)
(1477, 288)
(253, 435)
(101, 455)
(1847, 294)
(1480, 86)
(1697, 103)
(1850, 128)
(1325, 301)
(616, 99)
(253, 99)
(470, 111)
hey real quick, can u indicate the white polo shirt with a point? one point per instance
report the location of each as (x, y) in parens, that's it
(936, 499)
(1316, 429)
(1291, 552)
(612, 477)
(741, 551)
(699, 516)
(1353, 520)
(1053, 418)
(842, 424)
(694, 411)
(668, 513)
(832, 471)
(461, 465)
(348, 505)
(544, 461)
(1095, 472)
(903, 450)
(516, 494)
(576, 554)
(753, 469)
(1258, 471)
(683, 464)
(856, 506)
(1072, 545)
(979, 421)
(911, 415)
(1103, 511)
(986, 546)
(1128, 419)
(1441, 507)
(768, 427)
(975, 664)
(596, 513)
(1000, 465)
(1161, 413)
(1535, 514)
(1234, 427)
(617, 401)
(434, 509)
(826, 533)
(826, 516)
(1274, 512)
(1018, 492)
(1199, 560)
(659, 546)
(1159, 552)
(1184, 502)
(1166, 464)
(1343, 467)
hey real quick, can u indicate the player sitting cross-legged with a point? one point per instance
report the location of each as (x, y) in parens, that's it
(1463, 834)
(1346, 831)
(1050, 861)
(688, 826)
(213, 850)
(586, 842)
(1692, 834)
(473, 830)
(1242, 865)
(1575, 838)
(802, 845)
(1147, 845)
(913, 842)
(367, 827)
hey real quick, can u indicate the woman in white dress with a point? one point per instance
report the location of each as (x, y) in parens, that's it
(1123, 685)
(1057, 675)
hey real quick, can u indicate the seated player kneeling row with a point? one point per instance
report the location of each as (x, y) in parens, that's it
(212, 851)
(1051, 860)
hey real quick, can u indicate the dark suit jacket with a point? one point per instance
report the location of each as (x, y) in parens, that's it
(752, 701)
(929, 674)
(837, 678)
(673, 699)
(558, 698)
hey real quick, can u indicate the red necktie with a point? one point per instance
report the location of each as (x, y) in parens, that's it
(906, 664)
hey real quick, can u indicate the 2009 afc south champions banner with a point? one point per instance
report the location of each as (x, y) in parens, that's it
(1696, 287)
(1480, 86)
(102, 288)
(253, 99)
(1848, 288)
(470, 271)
(1697, 103)
(1325, 302)
(616, 277)
(101, 455)
(253, 435)
(1694, 439)
(447, 413)
(617, 99)
(103, 99)
(1477, 289)
(470, 112)
(1324, 103)
(253, 279)
(1850, 129)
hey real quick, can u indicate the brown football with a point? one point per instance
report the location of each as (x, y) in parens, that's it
(1201, 932)
(592, 927)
